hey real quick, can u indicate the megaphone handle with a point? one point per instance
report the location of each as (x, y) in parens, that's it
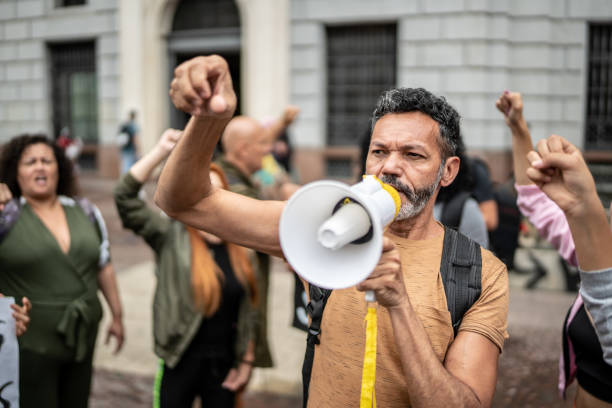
(370, 296)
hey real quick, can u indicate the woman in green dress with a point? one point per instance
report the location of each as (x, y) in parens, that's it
(54, 250)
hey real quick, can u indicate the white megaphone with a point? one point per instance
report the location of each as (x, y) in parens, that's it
(331, 233)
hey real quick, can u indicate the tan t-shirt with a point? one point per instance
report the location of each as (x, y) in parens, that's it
(337, 368)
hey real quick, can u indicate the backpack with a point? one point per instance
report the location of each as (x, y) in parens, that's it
(460, 268)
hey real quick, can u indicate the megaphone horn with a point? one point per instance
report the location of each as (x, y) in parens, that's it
(331, 233)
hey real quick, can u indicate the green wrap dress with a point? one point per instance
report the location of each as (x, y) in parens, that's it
(61, 286)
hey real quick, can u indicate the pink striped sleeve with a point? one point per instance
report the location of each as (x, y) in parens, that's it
(548, 219)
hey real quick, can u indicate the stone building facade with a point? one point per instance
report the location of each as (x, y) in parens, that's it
(330, 58)
(53, 51)
(467, 50)
(84, 64)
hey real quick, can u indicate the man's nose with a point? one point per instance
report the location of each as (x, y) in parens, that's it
(392, 165)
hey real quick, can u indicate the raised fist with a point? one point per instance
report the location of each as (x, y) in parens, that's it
(511, 105)
(203, 87)
(559, 169)
(169, 139)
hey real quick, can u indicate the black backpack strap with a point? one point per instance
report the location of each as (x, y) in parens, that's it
(451, 212)
(461, 270)
(565, 350)
(318, 300)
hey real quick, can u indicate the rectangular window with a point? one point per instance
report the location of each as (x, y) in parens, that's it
(598, 129)
(68, 3)
(74, 91)
(361, 63)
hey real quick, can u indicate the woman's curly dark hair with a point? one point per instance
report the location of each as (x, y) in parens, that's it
(12, 152)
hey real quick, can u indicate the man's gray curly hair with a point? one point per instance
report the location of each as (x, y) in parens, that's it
(402, 100)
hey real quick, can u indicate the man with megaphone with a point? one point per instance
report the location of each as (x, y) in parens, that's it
(420, 361)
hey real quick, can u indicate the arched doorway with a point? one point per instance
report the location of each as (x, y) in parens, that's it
(201, 27)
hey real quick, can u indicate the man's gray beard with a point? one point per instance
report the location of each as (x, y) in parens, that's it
(417, 199)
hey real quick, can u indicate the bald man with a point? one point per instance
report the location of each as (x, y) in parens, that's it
(245, 142)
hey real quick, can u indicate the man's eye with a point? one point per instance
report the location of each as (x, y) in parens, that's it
(413, 155)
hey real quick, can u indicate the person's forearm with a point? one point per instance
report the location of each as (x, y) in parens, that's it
(592, 235)
(429, 382)
(276, 128)
(595, 289)
(548, 219)
(142, 169)
(108, 285)
(249, 353)
(521, 145)
(184, 180)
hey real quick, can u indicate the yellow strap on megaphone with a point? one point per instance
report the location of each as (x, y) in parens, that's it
(368, 376)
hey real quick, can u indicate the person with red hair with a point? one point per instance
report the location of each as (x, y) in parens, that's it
(204, 315)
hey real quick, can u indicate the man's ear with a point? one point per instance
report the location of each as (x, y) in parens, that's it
(451, 168)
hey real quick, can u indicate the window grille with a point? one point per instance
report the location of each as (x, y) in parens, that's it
(74, 93)
(361, 63)
(68, 3)
(205, 14)
(598, 132)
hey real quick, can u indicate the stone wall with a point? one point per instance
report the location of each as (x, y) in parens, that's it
(26, 27)
(467, 50)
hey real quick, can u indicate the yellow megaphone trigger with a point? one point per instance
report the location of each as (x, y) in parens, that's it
(397, 200)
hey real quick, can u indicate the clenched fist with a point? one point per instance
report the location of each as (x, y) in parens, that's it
(511, 105)
(559, 169)
(203, 87)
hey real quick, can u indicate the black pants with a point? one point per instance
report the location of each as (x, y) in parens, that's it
(53, 383)
(196, 374)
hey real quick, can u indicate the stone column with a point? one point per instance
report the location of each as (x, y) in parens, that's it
(265, 56)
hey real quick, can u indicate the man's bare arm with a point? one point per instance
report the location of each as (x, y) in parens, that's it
(185, 180)
(202, 86)
(468, 377)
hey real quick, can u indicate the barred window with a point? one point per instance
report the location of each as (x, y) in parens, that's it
(209, 14)
(598, 132)
(68, 3)
(361, 63)
(74, 91)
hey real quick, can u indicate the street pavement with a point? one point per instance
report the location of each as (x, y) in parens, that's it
(527, 368)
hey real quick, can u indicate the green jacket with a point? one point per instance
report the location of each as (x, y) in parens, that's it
(241, 184)
(175, 319)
